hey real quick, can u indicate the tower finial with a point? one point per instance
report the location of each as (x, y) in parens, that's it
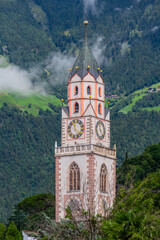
(85, 23)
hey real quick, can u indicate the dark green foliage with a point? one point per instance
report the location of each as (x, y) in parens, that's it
(130, 30)
(151, 100)
(35, 209)
(26, 150)
(60, 91)
(136, 212)
(13, 233)
(134, 131)
(27, 143)
(2, 231)
(37, 203)
(135, 215)
(69, 228)
(18, 217)
(56, 109)
(20, 34)
(138, 167)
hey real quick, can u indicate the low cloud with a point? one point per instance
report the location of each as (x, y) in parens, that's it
(16, 79)
(125, 47)
(98, 50)
(125, 10)
(56, 67)
(155, 29)
(93, 6)
(118, 9)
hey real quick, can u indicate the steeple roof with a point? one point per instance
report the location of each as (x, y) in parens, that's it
(85, 62)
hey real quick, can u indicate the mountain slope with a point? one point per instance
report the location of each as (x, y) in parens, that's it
(21, 37)
(129, 55)
(26, 150)
(32, 103)
(129, 31)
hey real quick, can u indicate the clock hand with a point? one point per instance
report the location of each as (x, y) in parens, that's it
(100, 129)
(75, 127)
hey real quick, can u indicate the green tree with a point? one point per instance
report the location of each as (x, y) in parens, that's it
(13, 233)
(35, 208)
(136, 212)
(18, 217)
(2, 231)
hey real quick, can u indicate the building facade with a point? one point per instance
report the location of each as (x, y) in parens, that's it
(85, 163)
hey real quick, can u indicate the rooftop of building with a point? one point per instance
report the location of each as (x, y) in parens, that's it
(85, 62)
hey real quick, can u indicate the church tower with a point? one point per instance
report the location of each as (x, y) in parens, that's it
(85, 163)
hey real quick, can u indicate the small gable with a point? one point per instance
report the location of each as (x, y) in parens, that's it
(107, 114)
(89, 110)
(89, 78)
(75, 78)
(99, 79)
(65, 112)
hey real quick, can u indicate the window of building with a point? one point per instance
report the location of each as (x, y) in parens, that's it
(74, 177)
(100, 94)
(76, 107)
(88, 90)
(103, 179)
(99, 108)
(76, 90)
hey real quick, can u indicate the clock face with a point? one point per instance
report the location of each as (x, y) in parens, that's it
(100, 130)
(75, 128)
(74, 205)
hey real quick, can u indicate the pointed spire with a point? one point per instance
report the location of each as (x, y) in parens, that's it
(85, 62)
(85, 36)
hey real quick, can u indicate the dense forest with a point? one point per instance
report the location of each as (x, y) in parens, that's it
(135, 214)
(27, 148)
(27, 155)
(134, 131)
(127, 36)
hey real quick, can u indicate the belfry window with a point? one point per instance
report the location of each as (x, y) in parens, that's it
(103, 179)
(76, 107)
(76, 90)
(88, 90)
(99, 108)
(74, 177)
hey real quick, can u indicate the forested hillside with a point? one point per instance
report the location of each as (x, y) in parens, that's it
(135, 213)
(134, 131)
(125, 38)
(129, 36)
(21, 37)
(27, 155)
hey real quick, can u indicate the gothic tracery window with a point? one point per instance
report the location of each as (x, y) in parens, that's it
(74, 177)
(103, 179)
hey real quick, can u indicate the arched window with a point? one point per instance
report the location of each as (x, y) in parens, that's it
(76, 90)
(74, 177)
(88, 90)
(103, 179)
(99, 108)
(76, 107)
(100, 94)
